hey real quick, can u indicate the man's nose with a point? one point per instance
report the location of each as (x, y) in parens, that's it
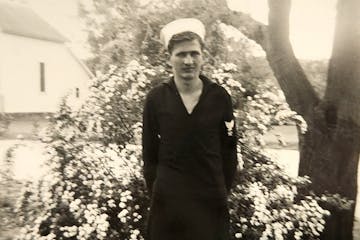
(188, 59)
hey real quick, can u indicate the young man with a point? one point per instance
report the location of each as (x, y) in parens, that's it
(189, 144)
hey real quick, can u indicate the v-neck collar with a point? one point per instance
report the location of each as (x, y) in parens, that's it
(206, 84)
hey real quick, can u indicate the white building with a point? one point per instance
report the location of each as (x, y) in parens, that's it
(37, 69)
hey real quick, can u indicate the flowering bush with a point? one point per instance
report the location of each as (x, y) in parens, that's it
(258, 110)
(268, 204)
(9, 193)
(94, 187)
(92, 192)
(5, 120)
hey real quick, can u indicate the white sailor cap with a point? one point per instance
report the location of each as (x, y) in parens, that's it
(181, 25)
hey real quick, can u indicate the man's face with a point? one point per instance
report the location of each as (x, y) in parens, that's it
(186, 60)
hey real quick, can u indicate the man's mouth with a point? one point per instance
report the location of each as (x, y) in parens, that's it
(188, 69)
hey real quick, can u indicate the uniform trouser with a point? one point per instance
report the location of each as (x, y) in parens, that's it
(186, 218)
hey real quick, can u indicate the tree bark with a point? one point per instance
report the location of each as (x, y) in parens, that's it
(329, 157)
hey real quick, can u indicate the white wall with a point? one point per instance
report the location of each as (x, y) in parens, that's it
(20, 59)
(1, 73)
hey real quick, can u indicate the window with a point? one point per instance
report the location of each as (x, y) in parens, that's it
(77, 92)
(42, 77)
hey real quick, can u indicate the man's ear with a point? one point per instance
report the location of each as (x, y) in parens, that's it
(168, 63)
(167, 56)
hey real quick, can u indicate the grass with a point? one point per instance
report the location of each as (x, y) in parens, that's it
(286, 134)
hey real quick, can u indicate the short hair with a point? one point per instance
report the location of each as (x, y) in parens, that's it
(184, 36)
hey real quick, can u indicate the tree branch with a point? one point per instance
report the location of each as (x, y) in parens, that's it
(251, 28)
(298, 91)
(274, 39)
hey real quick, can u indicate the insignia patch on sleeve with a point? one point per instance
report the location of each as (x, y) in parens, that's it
(230, 127)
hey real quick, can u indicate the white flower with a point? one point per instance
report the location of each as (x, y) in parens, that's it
(123, 213)
(238, 235)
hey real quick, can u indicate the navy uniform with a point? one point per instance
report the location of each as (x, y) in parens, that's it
(189, 162)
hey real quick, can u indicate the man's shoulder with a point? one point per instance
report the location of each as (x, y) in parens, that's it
(219, 90)
(158, 90)
(214, 86)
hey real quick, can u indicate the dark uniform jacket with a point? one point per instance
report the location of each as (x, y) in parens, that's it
(189, 154)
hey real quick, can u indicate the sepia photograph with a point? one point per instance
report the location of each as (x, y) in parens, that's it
(179, 119)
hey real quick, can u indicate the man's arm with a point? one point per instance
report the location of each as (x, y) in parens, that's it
(229, 144)
(150, 143)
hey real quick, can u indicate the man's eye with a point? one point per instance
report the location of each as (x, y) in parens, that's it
(182, 55)
(195, 54)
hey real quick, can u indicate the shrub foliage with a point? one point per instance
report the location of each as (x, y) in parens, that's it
(94, 187)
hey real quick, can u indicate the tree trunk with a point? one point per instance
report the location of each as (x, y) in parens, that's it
(329, 156)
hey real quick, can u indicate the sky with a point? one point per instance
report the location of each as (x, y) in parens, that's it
(311, 23)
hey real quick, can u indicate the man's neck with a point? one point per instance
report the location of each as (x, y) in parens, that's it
(188, 86)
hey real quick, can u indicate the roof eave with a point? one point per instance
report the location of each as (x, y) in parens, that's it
(57, 39)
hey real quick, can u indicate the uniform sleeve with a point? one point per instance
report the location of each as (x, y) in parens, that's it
(150, 144)
(229, 143)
